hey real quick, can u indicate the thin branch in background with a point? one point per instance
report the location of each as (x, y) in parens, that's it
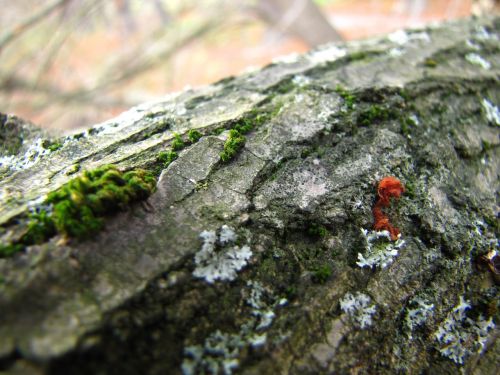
(160, 57)
(53, 95)
(29, 22)
(300, 18)
(128, 67)
(65, 28)
(164, 15)
(123, 8)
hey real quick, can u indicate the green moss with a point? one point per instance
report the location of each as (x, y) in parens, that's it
(233, 144)
(406, 125)
(258, 117)
(244, 126)
(250, 121)
(493, 222)
(202, 185)
(74, 168)
(92, 131)
(52, 146)
(430, 63)
(284, 87)
(486, 145)
(410, 189)
(321, 274)
(218, 131)
(194, 135)
(167, 157)
(317, 230)
(10, 249)
(349, 98)
(305, 153)
(177, 143)
(80, 205)
(375, 113)
(40, 227)
(359, 55)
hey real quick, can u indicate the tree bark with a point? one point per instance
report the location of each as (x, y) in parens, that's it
(267, 263)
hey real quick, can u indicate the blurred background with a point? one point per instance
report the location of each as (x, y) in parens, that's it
(67, 64)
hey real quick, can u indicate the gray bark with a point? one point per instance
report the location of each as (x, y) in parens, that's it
(262, 265)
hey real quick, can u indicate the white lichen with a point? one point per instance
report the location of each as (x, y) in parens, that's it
(218, 355)
(380, 250)
(7, 161)
(492, 112)
(418, 315)
(476, 59)
(261, 310)
(33, 155)
(396, 52)
(359, 309)
(220, 260)
(323, 55)
(286, 59)
(459, 336)
(483, 34)
(258, 340)
(301, 80)
(220, 351)
(469, 43)
(227, 235)
(401, 37)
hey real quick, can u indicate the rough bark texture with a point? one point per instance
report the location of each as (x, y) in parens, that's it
(266, 263)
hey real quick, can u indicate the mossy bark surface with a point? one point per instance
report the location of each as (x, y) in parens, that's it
(265, 262)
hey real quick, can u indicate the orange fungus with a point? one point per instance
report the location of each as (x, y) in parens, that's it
(387, 187)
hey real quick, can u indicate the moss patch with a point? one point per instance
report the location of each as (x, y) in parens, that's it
(177, 143)
(167, 157)
(233, 144)
(194, 135)
(316, 230)
(52, 146)
(349, 98)
(375, 113)
(321, 274)
(79, 206)
(430, 63)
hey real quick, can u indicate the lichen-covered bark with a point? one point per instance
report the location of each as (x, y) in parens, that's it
(266, 263)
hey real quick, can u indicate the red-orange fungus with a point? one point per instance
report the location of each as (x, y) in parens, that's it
(387, 187)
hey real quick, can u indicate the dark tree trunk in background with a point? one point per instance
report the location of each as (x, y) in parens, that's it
(266, 263)
(300, 18)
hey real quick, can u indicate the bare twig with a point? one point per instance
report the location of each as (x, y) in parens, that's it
(61, 36)
(53, 94)
(163, 55)
(28, 22)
